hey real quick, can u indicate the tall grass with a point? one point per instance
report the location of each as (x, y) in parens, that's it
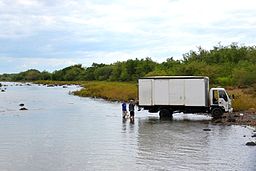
(243, 100)
(114, 91)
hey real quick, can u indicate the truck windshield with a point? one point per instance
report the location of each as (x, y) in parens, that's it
(222, 94)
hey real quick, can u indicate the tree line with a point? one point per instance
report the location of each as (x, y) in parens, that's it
(231, 65)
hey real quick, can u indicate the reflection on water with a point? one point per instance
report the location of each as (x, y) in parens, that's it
(64, 132)
(184, 145)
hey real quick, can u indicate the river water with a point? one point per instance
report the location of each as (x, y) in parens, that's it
(62, 132)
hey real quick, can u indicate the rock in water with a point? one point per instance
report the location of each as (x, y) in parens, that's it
(215, 121)
(251, 143)
(207, 129)
(23, 108)
(21, 104)
(254, 135)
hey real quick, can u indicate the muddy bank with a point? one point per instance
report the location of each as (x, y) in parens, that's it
(238, 118)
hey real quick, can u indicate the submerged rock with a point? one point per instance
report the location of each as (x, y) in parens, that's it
(251, 143)
(215, 121)
(207, 129)
(23, 108)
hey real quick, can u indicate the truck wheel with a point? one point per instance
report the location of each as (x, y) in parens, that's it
(217, 113)
(165, 113)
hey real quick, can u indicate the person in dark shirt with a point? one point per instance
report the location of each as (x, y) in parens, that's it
(131, 109)
(124, 110)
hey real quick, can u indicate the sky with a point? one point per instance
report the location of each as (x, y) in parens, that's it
(53, 34)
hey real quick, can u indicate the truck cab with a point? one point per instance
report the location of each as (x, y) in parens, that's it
(219, 101)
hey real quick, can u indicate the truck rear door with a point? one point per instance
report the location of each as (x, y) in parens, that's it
(145, 92)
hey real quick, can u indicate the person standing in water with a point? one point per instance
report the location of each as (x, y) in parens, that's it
(124, 109)
(131, 109)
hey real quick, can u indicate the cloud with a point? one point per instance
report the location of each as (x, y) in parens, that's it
(79, 31)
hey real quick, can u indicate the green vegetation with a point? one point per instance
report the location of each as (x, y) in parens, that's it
(114, 91)
(228, 66)
(231, 65)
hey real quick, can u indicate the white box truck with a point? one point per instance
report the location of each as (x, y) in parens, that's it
(187, 94)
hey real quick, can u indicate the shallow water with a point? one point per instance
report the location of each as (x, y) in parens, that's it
(62, 132)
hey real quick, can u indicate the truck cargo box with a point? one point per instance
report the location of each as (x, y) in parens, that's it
(174, 91)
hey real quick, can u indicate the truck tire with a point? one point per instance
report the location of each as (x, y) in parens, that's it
(165, 114)
(216, 113)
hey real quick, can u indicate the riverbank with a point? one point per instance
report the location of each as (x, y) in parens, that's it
(237, 118)
(244, 104)
(243, 100)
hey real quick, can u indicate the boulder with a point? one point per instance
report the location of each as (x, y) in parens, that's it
(254, 135)
(21, 104)
(23, 108)
(251, 143)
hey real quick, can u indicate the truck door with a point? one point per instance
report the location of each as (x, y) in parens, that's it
(223, 99)
(145, 92)
(215, 97)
